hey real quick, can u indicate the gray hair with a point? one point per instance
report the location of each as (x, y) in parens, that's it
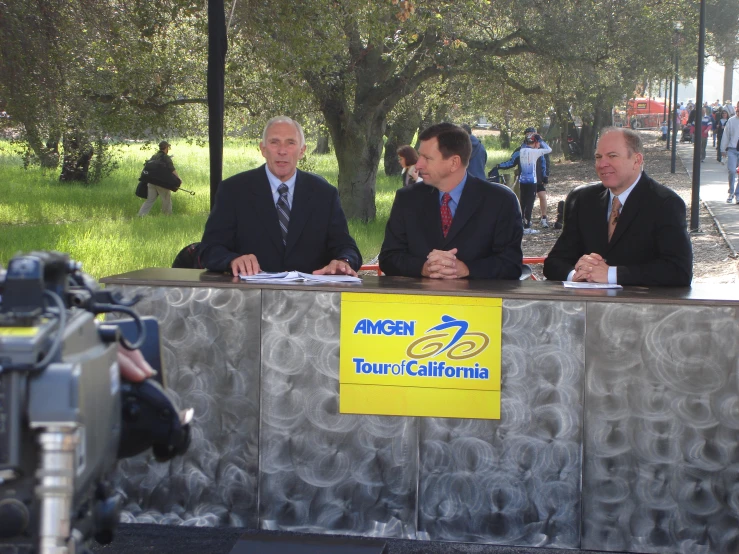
(633, 140)
(283, 119)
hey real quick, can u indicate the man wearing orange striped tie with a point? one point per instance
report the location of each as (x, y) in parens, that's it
(628, 229)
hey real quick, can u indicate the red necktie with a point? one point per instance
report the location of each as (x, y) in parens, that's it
(446, 214)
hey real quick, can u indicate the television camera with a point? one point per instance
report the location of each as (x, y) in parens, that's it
(66, 416)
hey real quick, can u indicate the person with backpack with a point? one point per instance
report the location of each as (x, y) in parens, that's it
(155, 191)
(532, 176)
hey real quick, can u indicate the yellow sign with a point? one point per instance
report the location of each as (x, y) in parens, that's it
(409, 355)
(19, 331)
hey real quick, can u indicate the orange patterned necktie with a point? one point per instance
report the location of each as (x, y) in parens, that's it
(613, 220)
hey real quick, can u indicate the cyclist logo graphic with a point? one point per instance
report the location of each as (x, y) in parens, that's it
(453, 338)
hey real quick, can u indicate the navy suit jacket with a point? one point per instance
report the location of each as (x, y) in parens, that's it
(486, 230)
(244, 221)
(650, 245)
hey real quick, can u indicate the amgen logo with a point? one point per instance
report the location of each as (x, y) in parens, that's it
(385, 327)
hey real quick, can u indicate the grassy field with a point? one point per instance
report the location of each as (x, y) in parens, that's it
(98, 226)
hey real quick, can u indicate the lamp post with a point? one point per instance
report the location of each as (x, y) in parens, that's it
(698, 141)
(678, 28)
(664, 95)
(670, 118)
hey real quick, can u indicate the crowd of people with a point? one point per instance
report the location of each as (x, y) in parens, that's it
(713, 119)
(719, 125)
(448, 223)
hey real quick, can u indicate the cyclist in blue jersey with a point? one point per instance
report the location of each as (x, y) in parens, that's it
(531, 176)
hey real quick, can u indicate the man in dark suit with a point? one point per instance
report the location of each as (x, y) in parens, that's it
(452, 225)
(628, 229)
(278, 218)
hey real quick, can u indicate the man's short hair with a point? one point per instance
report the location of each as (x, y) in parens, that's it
(453, 140)
(283, 119)
(466, 128)
(633, 140)
(408, 153)
(164, 144)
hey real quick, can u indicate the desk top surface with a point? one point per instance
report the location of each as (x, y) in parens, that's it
(708, 294)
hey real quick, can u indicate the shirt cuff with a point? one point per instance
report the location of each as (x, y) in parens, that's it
(612, 275)
(570, 275)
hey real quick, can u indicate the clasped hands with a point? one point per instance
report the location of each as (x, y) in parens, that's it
(249, 265)
(591, 268)
(443, 264)
(133, 366)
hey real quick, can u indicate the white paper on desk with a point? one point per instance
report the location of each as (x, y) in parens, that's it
(586, 285)
(298, 277)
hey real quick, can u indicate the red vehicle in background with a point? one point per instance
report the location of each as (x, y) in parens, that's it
(645, 113)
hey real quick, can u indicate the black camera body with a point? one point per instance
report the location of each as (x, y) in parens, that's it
(65, 414)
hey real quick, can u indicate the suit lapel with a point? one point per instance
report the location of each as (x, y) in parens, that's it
(265, 210)
(469, 202)
(299, 211)
(431, 215)
(629, 211)
(601, 222)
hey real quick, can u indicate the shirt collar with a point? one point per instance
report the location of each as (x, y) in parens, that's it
(624, 195)
(274, 182)
(456, 192)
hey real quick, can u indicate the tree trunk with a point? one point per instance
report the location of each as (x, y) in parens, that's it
(563, 119)
(358, 145)
(602, 118)
(322, 144)
(47, 152)
(505, 137)
(434, 114)
(728, 79)
(586, 140)
(553, 138)
(588, 135)
(399, 134)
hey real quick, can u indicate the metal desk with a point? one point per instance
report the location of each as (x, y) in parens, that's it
(620, 412)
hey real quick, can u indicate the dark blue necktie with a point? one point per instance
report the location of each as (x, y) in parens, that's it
(283, 211)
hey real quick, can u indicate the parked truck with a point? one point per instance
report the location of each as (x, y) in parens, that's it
(645, 113)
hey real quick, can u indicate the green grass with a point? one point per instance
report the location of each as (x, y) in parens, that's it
(98, 226)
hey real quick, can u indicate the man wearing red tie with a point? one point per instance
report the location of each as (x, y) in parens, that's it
(452, 225)
(628, 229)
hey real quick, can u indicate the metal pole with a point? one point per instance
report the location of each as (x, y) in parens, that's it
(670, 118)
(698, 142)
(674, 131)
(217, 47)
(664, 95)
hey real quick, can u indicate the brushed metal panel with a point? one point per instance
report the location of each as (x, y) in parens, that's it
(210, 347)
(515, 481)
(661, 449)
(321, 471)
